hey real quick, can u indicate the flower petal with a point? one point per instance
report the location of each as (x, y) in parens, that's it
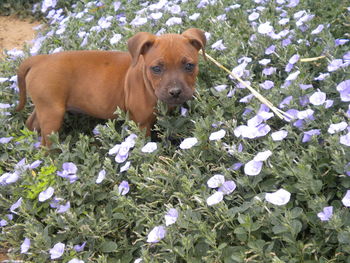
(280, 197)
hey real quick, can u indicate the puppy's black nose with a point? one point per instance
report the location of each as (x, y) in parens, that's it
(175, 92)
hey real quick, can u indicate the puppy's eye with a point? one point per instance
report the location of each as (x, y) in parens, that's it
(189, 67)
(157, 69)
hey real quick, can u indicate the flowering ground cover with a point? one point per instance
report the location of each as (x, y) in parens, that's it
(223, 179)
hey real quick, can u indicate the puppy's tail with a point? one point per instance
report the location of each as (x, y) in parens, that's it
(22, 72)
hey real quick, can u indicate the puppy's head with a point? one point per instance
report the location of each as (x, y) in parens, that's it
(170, 62)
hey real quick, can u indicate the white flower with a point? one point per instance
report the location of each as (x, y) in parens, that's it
(173, 21)
(188, 143)
(101, 176)
(265, 28)
(115, 39)
(217, 135)
(262, 156)
(280, 197)
(293, 76)
(156, 234)
(253, 167)
(215, 198)
(149, 147)
(216, 181)
(44, 195)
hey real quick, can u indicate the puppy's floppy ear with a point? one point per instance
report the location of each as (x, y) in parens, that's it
(139, 44)
(197, 38)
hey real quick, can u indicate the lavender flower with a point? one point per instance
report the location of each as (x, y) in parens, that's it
(317, 30)
(25, 246)
(253, 16)
(293, 76)
(5, 140)
(309, 134)
(173, 21)
(267, 84)
(346, 199)
(345, 139)
(123, 188)
(79, 248)
(138, 21)
(326, 214)
(69, 171)
(171, 216)
(101, 176)
(125, 167)
(253, 168)
(75, 260)
(63, 208)
(318, 98)
(271, 49)
(16, 205)
(269, 71)
(156, 234)
(335, 64)
(218, 45)
(344, 89)
(57, 250)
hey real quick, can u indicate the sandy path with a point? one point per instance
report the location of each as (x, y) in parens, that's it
(14, 33)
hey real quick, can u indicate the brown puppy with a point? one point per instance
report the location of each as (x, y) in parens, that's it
(97, 82)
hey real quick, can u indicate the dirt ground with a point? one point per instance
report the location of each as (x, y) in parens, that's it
(14, 33)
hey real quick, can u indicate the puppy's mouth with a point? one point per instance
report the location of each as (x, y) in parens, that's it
(174, 96)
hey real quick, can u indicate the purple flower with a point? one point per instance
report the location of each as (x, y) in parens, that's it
(344, 89)
(318, 98)
(35, 164)
(4, 140)
(346, 199)
(156, 234)
(63, 208)
(171, 216)
(79, 248)
(337, 127)
(25, 246)
(101, 176)
(218, 45)
(253, 168)
(305, 87)
(317, 30)
(57, 250)
(289, 67)
(326, 214)
(48, 4)
(285, 101)
(280, 197)
(227, 187)
(308, 134)
(335, 64)
(149, 147)
(16, 205)
(270, 50)
(114, 40)
(69, 171)
(46, 194)
(294, 59)
(328, 104)
(279, 135)
(340, 42)
(236, 166)
(215, 136)
(269, 71)
(123, 188)
(215, 198)
(267, 84)
(345, 139)
(292, 3)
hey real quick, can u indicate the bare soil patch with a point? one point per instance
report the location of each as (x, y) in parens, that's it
(14, 33)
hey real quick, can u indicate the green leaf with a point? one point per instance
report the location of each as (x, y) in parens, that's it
(108, 246)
